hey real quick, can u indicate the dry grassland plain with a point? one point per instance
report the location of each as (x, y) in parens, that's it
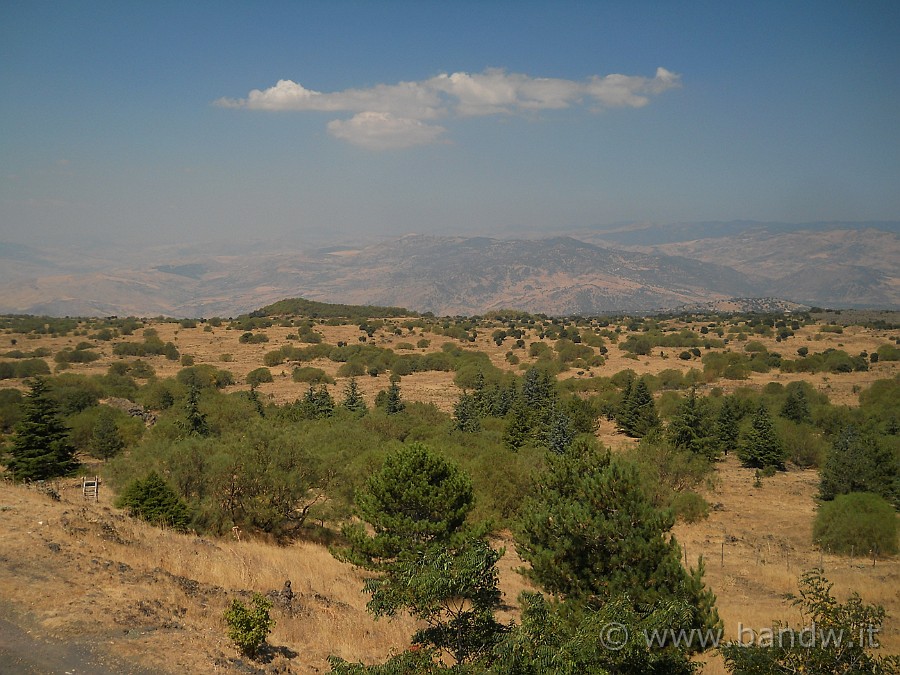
(85, 573)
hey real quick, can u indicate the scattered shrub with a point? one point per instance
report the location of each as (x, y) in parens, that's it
(857, 522)
(248, 627)
(258, 376)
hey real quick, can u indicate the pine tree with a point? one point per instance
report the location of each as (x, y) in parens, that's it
(353, 400)
(153, 500)
(638, 413)
(465, 414)
(690, 430)
(760, 447)
(727, 428)
(257, 403)
(106, 441)
(41, 447)
(518, 426)
(589, 531)
(559, 432)
(194, 423)
(393, 403)
(796, 405)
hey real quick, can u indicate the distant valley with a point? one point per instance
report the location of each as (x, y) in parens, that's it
(630, 268)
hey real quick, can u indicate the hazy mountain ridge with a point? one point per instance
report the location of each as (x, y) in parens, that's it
(842, 265)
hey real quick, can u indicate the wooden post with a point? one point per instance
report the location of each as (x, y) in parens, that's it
(723, 553)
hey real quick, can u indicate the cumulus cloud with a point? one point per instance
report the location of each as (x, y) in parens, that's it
(402, 115)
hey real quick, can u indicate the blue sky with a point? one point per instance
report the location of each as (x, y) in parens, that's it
(139, 118)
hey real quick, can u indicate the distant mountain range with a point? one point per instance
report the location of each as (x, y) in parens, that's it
(628, 268)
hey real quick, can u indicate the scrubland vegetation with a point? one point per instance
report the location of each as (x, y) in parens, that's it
(418, 447)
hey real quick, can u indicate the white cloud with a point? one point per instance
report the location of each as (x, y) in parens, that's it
(394, 116)
(383, 131)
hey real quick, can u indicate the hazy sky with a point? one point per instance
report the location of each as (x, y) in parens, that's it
(234, 120)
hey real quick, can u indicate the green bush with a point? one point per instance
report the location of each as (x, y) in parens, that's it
(690, 507)
(859, 521)
(153, 500)
(248, 627)
(311, 375)
(258, 376)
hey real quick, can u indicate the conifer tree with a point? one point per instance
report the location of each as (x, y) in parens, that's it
(796, 405)
(106, 441)
(465, 414)
(393, 403)
(860, 462)
(690, 428)
(194, 422)
(41, 447)
(353, 399)
(637, 415)
(559, 432)
(589, 531)
(760, 447)
(518, 426)
(727, 427)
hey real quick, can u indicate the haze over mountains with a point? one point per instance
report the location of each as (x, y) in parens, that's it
(626, 268)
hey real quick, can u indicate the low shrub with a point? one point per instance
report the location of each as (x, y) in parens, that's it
(857, 522)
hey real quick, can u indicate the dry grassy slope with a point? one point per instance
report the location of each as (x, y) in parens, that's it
(113, 575)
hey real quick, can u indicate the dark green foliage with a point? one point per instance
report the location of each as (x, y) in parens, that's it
(194, 422)
(153, 500)
(559, 432)
(253, 338)
(727, 429)
(25, 368)
(10, 409)
(844, 638)
(416, 500)
(589, 531)
(692, 427)
(353, 399)
(796, 405)
(316, 404)
(393, 402)
(453, 589)
(205, 376)
(106, 441)
(466, 414)
(637, 414)
(258, 376)
(563, 639)
(861, 462)
(248, 627)
(40, 447)
(518, 426)
(311, 375)
(859, 521)
(760, 446)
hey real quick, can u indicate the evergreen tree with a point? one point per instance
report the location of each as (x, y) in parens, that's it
(690, 428)
(257, 403)
(417, 499)
(796, 405)
(637, 415)
(41, 447)
(194, 422)
(153, 500)
(353, 399)
(589, 531)
(106, 441)
(559, 432)
(393, 403)
(518, 426)
(465, 414)
(538, 391)
(760, 447)
(727, 425)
